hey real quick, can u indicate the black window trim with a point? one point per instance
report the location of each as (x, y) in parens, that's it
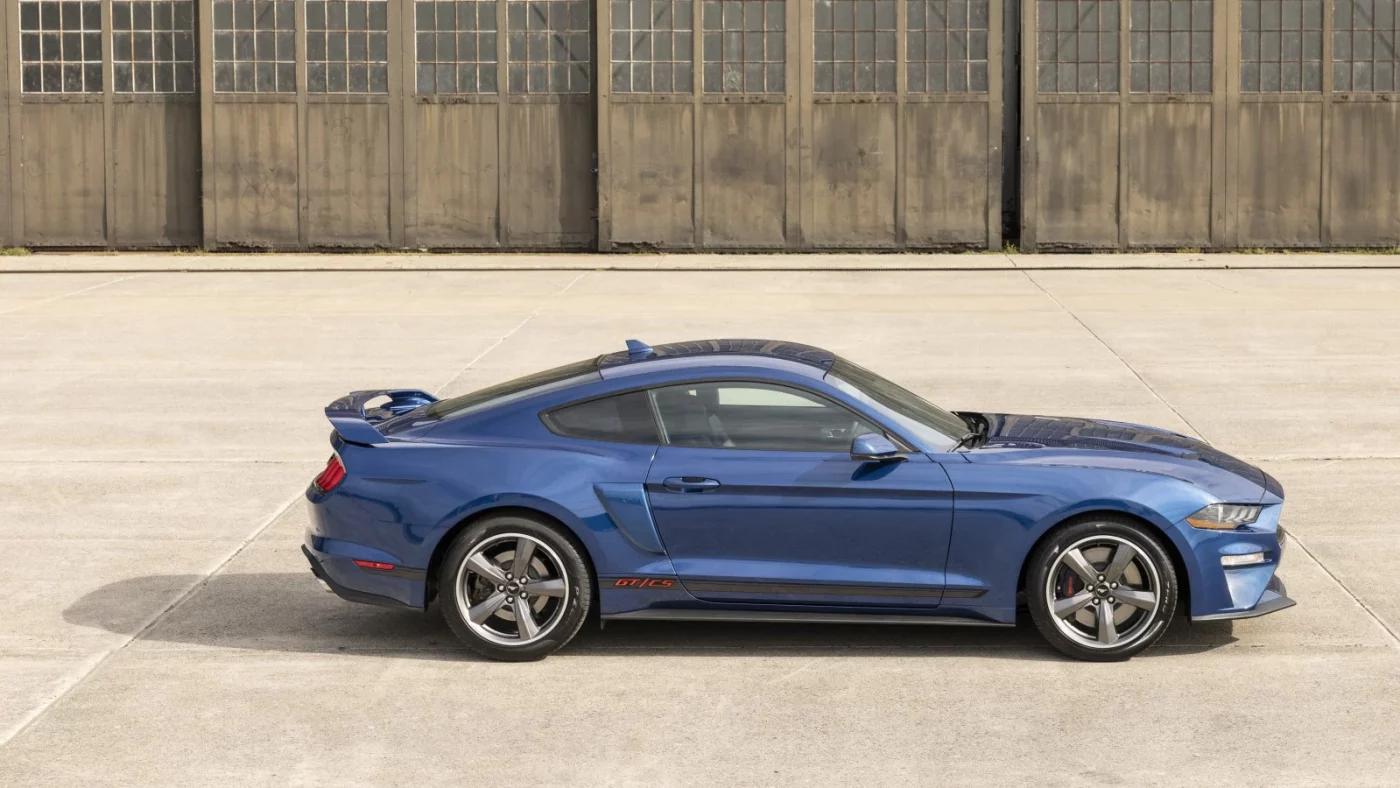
(900, 442)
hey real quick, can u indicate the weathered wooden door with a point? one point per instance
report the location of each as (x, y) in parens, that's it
(102, 119)
(1171, 123)
(800, 123)
(502, 120)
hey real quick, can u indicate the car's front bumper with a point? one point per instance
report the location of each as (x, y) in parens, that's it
(1221, 592)
(1274, 599)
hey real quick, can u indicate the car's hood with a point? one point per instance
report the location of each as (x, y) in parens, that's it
(1163, 451)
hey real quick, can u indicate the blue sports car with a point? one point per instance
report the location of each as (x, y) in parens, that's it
(756, 480)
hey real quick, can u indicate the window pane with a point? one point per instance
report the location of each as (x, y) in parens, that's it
(1077, 43)
(355, 33)
(653, 45)
(947, 44)
(550, 42)
(1365, 51)
(913, 415)
(765, 397)
(456, 45)
(1174, 37)
(168, 26)
(861, 31)
(625, 418)
(749, 53)
(1281, 45)
(253, 29)
(65, 35)
(756, 416)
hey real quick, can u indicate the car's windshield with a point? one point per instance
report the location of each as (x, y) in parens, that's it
(538, 383)
(920, 419)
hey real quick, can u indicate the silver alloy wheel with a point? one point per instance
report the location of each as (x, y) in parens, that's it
(1103, 592)
(512, 589)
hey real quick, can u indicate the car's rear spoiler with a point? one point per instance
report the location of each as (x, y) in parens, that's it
(356, 424)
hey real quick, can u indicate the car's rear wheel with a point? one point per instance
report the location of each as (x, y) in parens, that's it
(514, 588)
(1102, 589)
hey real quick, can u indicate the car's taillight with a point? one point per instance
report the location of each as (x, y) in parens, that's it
(333, 474)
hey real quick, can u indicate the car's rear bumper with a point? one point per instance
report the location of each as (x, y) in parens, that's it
(352, 583)
(338, 536)
(1274, 599)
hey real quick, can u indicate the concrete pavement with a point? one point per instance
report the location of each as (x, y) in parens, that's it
(140, 262)
(161, 628)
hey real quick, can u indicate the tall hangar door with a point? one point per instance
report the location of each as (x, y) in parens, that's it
(502, 121)
(390, 123)
(799, 124)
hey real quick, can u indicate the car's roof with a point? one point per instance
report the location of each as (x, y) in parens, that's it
(703, 352)
(717, 355)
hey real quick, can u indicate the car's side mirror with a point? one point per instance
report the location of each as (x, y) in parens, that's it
(874, 447)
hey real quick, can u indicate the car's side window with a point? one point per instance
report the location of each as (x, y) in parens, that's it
(624, 418)
(745, 415)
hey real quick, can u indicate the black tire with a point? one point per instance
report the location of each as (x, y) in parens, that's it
(573, 608)
(1151, 568)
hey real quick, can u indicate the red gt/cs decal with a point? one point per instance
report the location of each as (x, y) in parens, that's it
(642, 582)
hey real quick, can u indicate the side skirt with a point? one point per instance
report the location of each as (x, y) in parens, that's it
(794, 617)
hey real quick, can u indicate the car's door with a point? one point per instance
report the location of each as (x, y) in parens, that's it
(757, 499)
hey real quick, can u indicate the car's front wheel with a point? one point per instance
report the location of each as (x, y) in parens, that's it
(1102, 589)
(514, 588)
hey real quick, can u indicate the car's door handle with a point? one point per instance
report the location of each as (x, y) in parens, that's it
(689, 484)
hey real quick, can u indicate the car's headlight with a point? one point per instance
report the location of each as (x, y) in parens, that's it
(1224, 516)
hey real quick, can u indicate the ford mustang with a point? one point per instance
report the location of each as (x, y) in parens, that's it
(756, 480)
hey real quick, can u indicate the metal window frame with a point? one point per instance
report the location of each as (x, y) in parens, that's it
(549, 64)
(1191, 31)
(764, 63)
(369, 63)
(62, 64)
(1302, 61)
(896, 29)
(298, 44)
(947, 63)
(110, 35)
(677, 68)
(457, 63)
(1353, 62)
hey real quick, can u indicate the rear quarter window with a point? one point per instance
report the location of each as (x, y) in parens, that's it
(623, 418)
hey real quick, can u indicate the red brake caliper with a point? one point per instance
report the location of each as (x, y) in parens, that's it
(1068, 587)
